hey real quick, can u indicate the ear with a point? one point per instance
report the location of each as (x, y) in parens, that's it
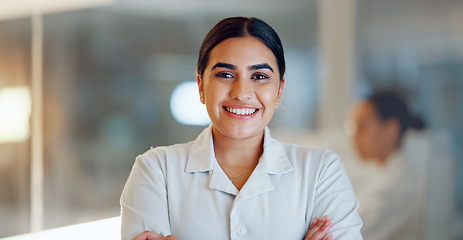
(200, 83)
(200, 88)
(280, 91)
(392, 129)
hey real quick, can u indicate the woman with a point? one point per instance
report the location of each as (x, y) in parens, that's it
(235, 181)
(381, 123)
(391, 203)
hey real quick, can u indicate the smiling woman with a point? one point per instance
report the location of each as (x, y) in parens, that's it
(240, 80)
(231, 182)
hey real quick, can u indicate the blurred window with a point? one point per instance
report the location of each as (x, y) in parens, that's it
(109, 80)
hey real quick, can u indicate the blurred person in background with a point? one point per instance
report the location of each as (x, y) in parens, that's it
(391, 203)
(235, 181)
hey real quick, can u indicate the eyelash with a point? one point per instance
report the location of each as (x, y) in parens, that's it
(224, 75)
(257, 76)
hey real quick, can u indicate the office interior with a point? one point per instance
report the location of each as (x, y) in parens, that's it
(86, 86)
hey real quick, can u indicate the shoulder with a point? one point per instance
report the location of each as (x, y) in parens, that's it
(309, 154)
(176, 155)
(312, 160)
(162, 154)
(303, 153)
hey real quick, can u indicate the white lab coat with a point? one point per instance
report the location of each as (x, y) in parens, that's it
(182, 190)
(393, 201)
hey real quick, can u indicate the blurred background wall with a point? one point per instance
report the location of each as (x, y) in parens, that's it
(109, 72)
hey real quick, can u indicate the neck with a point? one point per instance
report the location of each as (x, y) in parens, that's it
(237, 152)
(383, 158)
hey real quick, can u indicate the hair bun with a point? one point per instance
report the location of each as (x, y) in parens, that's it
(417, 123)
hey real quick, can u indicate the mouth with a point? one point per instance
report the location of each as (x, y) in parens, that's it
(241, 111)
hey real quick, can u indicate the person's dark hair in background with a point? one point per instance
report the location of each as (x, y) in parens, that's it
(391, 104)
(382, 121)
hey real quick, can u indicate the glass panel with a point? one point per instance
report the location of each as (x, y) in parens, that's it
(108, 77)
(14, 126)
(415, 47)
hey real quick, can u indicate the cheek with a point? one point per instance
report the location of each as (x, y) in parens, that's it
(365, 139)
(375, 135)
(213, 91)
(359, 140)
(212, 101)
(364, 149)
(267, 95)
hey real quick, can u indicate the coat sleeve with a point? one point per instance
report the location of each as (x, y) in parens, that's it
(144, 198)
(391, 207)
(335, 197)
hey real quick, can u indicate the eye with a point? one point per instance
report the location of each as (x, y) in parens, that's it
(259, 76)
(224, 75)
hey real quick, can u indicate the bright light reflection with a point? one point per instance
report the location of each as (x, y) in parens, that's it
(350, 127)
(15, 111)
(185, 105)
(109, 228)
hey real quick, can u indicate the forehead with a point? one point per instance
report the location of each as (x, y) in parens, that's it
(242, 51)
(364, 110)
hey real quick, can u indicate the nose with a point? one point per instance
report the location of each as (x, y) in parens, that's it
(242, 89)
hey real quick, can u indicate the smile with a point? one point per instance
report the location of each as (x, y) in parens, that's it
(241, 111)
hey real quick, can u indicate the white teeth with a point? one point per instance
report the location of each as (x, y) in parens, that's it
(241, 111)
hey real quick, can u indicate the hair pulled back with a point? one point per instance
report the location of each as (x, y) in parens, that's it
(390, 104)
(241, 27)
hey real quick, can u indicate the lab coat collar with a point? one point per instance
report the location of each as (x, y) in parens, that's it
(273, 161)
(274, 157)
(202, 156)
(202, 159)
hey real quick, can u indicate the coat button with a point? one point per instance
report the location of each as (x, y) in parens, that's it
(241, 230)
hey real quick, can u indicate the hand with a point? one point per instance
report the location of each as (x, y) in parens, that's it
(318, 229)
(148, 235)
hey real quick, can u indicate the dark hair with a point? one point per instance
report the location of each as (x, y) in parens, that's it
(391, 104)
(241, 27)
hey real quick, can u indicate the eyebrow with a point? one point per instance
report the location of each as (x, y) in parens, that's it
(261, 66)
(224, 65)
(233, 67)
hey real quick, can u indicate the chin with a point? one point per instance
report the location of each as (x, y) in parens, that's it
(243, 134)
(364, 156)
(239, 133)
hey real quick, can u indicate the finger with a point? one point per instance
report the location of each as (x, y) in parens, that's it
(315, 221)
(318, 223)
(312, 228)
(321, 227)
(330, 237)
(315, 228)
(147, 235)
(170, 237)
(321, 233)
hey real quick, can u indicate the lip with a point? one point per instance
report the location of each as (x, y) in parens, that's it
(239, 116)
